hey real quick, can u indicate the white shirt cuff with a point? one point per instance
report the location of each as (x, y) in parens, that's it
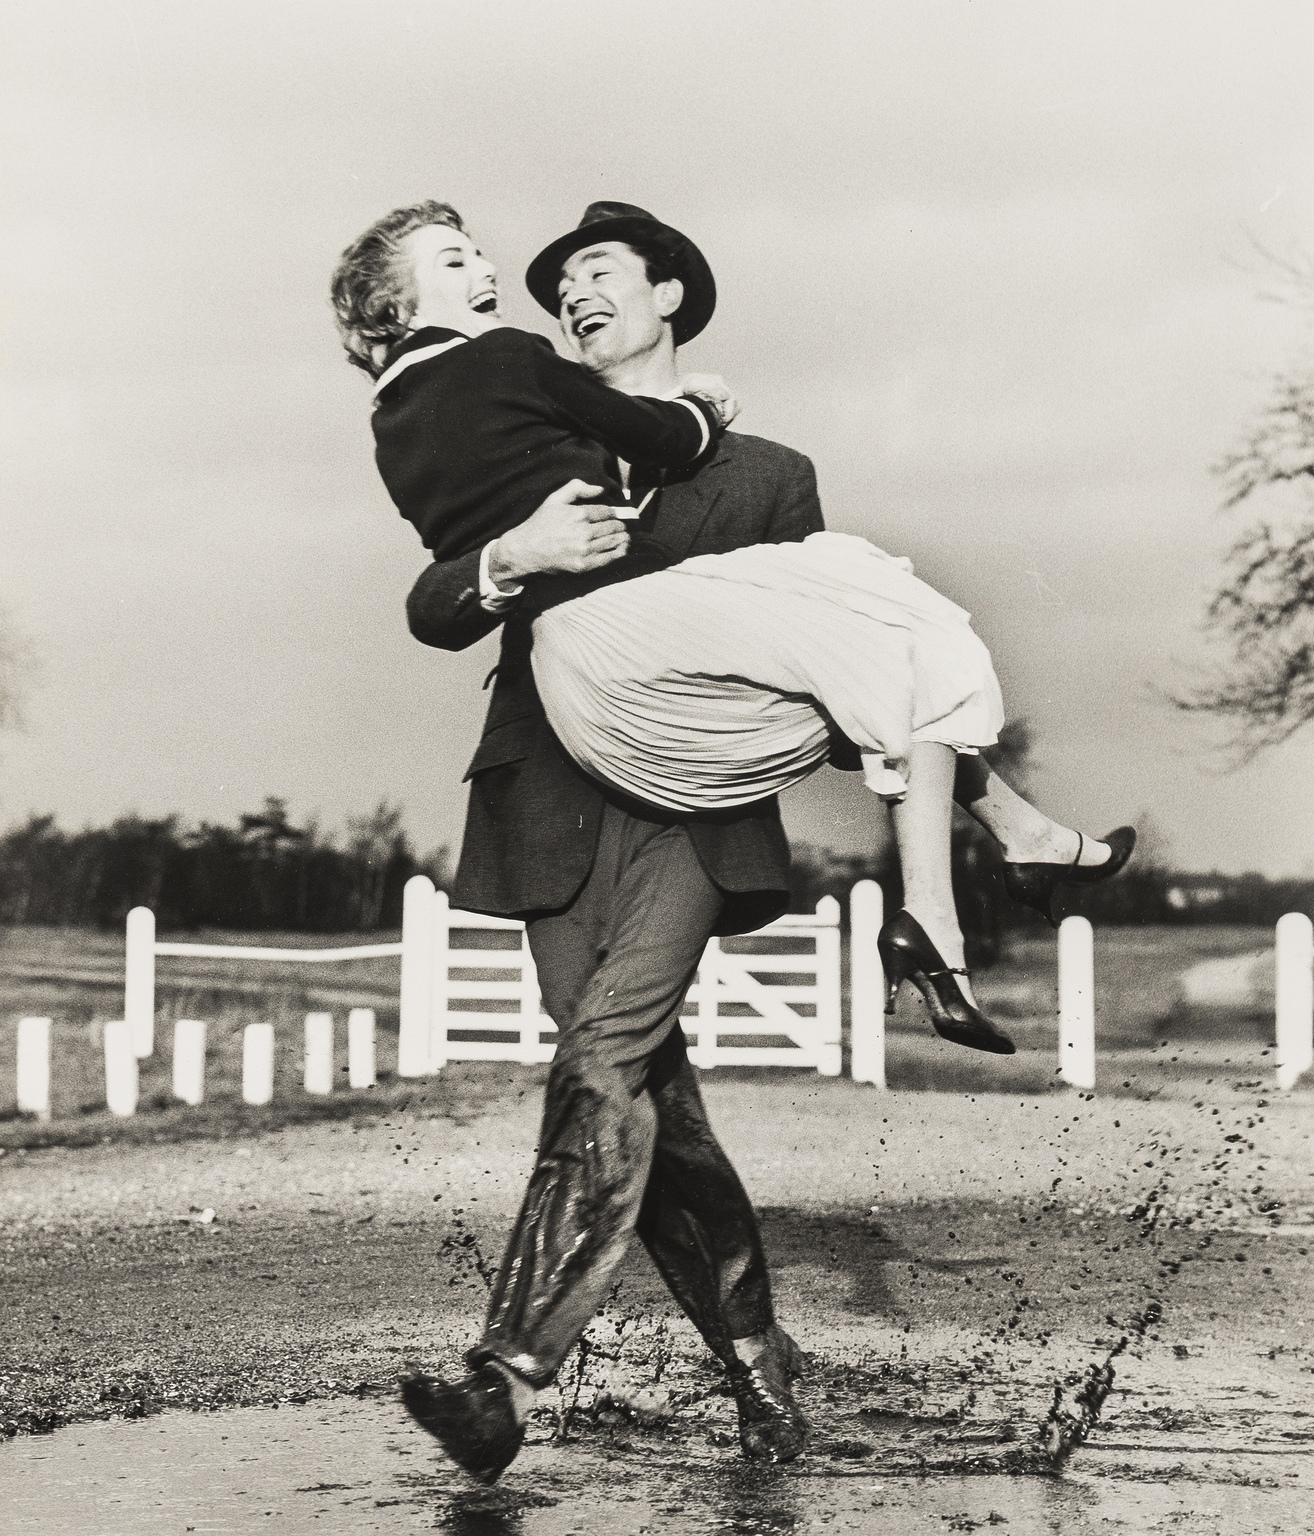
(702, 424)
(492, 598)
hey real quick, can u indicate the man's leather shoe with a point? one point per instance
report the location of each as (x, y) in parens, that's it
(771, 1424)
(472, 1420)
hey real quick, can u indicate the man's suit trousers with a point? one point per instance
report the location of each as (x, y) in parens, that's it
(625, 1143)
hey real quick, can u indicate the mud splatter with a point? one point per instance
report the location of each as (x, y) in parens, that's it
(1067, 1425)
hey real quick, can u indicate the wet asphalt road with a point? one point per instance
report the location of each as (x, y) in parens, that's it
(947, 1263)
(362, 1468)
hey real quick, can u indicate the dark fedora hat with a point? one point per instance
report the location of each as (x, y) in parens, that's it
(623, 221)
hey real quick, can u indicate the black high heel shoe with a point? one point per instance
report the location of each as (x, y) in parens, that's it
(1036, 885)
(908, 955)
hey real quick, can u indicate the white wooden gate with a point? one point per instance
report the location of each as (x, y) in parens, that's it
(485, 1004)
(469, 990)
(775, 994)
(771, 998)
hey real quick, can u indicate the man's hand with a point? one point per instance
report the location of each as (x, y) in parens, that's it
(562, 536)
(714, 389)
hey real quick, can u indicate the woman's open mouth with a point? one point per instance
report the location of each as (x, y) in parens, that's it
(484, 303)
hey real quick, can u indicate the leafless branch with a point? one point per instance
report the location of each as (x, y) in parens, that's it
(1264, 614)
(1263, 610)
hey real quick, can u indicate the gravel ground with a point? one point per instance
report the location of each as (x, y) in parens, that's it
(950, 1262)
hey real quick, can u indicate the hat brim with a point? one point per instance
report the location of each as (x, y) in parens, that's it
(544, 272)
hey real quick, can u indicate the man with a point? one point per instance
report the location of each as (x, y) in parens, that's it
(618, 905)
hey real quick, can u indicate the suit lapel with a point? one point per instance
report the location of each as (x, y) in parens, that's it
(684, 505)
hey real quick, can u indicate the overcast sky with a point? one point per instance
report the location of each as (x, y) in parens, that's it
(987, 262)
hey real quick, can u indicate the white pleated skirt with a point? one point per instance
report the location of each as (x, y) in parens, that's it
(712, 683)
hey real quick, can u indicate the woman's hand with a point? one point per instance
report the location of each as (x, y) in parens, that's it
(714, 389)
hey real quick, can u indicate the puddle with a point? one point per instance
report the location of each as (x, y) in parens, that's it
(361, 1467)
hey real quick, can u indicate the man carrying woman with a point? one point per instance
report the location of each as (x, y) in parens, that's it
(627, 627)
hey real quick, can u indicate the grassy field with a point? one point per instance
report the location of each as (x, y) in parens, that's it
(1149, 1040)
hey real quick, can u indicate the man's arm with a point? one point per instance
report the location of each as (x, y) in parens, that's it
(449, 605)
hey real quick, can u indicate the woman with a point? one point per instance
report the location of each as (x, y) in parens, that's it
(704, 684)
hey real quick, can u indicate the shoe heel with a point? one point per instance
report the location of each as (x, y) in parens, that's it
(894, 974)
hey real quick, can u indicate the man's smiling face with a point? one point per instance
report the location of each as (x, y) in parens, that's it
(610, 311)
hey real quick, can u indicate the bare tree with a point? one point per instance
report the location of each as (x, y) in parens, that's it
(1262, 614)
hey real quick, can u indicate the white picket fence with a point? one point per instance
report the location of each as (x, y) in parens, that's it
(464, 999)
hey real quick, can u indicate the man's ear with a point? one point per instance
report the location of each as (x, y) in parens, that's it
(668, 296)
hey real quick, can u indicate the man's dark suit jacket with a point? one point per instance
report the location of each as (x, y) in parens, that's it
(532, 822)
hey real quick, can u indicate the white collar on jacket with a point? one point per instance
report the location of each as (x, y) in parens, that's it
(419, 355)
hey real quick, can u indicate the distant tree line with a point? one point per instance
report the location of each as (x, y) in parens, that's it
(264, 873)
(261, 873)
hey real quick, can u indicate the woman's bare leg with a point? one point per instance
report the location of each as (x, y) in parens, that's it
(922, 824)
(1025, 834)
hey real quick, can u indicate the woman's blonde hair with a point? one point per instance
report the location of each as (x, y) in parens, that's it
(373, 287)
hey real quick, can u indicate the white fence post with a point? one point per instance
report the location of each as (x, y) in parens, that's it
(866, 985)
(416, 977)
(189, 1060)
(440, 981)
(529, 1003)
(1294, 959)
(360, 1048)
(258, 1063)
(33, 1068)
(318, 1063)
(704, 1052)
(139, 980)
(120, 1069)
(828, 988)
(1076, 986)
